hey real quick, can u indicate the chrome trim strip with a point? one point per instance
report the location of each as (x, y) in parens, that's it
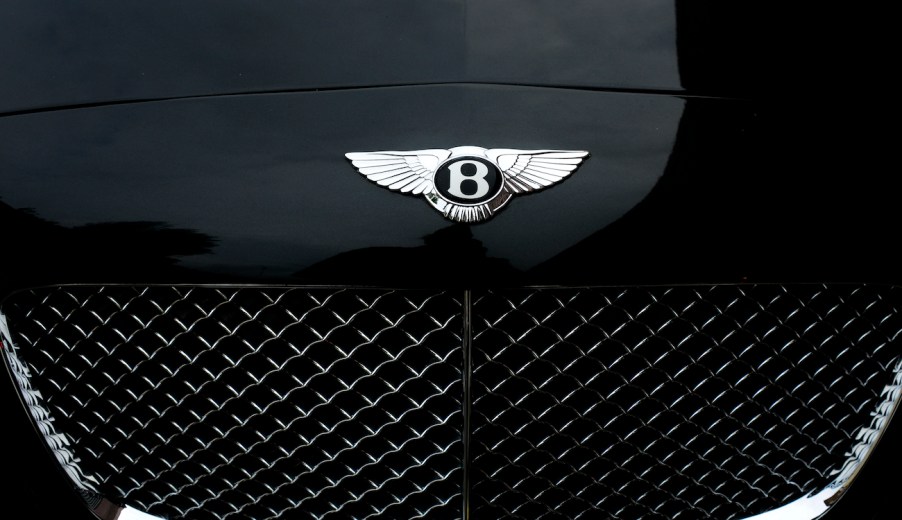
(467, 398)
(805, 508)
(133, 514)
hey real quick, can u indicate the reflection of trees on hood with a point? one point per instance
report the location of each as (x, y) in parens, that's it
(116, 251)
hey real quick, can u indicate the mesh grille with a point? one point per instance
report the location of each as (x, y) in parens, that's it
(671, 403)
(623, 403)
(254, 404)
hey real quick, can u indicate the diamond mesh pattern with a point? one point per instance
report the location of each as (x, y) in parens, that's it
(237, 404)
(622, 403)
(671, 403)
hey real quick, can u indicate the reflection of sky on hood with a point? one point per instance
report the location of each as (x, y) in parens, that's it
(266, 175)
(59, 53)
(582, 42)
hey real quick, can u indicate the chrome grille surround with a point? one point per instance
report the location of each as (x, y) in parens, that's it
(660, 402)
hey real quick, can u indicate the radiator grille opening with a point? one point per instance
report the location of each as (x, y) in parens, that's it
(240, 403)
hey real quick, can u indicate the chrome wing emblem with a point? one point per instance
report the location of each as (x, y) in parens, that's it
(467, 183)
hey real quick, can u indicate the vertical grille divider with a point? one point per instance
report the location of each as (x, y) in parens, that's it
(467, 373)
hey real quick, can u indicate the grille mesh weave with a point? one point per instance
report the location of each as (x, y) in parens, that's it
(254, 404)
(623, 403)
(672, 403)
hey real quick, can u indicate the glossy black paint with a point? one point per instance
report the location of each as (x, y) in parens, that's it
(729, 144)
(96, 52)
(257, 189)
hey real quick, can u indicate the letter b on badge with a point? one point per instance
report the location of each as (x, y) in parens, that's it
(468, 180)
(458, 177)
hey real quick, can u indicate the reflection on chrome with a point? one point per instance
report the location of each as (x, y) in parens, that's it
(816, 504)
(869, 435)
(58, 442)
(133, 514)
(808, 507)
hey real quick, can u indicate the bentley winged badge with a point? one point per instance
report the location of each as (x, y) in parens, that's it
(467, 183)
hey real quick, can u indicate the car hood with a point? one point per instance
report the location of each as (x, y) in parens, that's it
(208, 142)
(258, 188)
(103, 52)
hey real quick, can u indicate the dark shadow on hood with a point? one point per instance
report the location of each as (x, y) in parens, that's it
(450, 257)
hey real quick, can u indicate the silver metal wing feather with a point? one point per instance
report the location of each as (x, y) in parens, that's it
(531, 170)
(406, 172)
